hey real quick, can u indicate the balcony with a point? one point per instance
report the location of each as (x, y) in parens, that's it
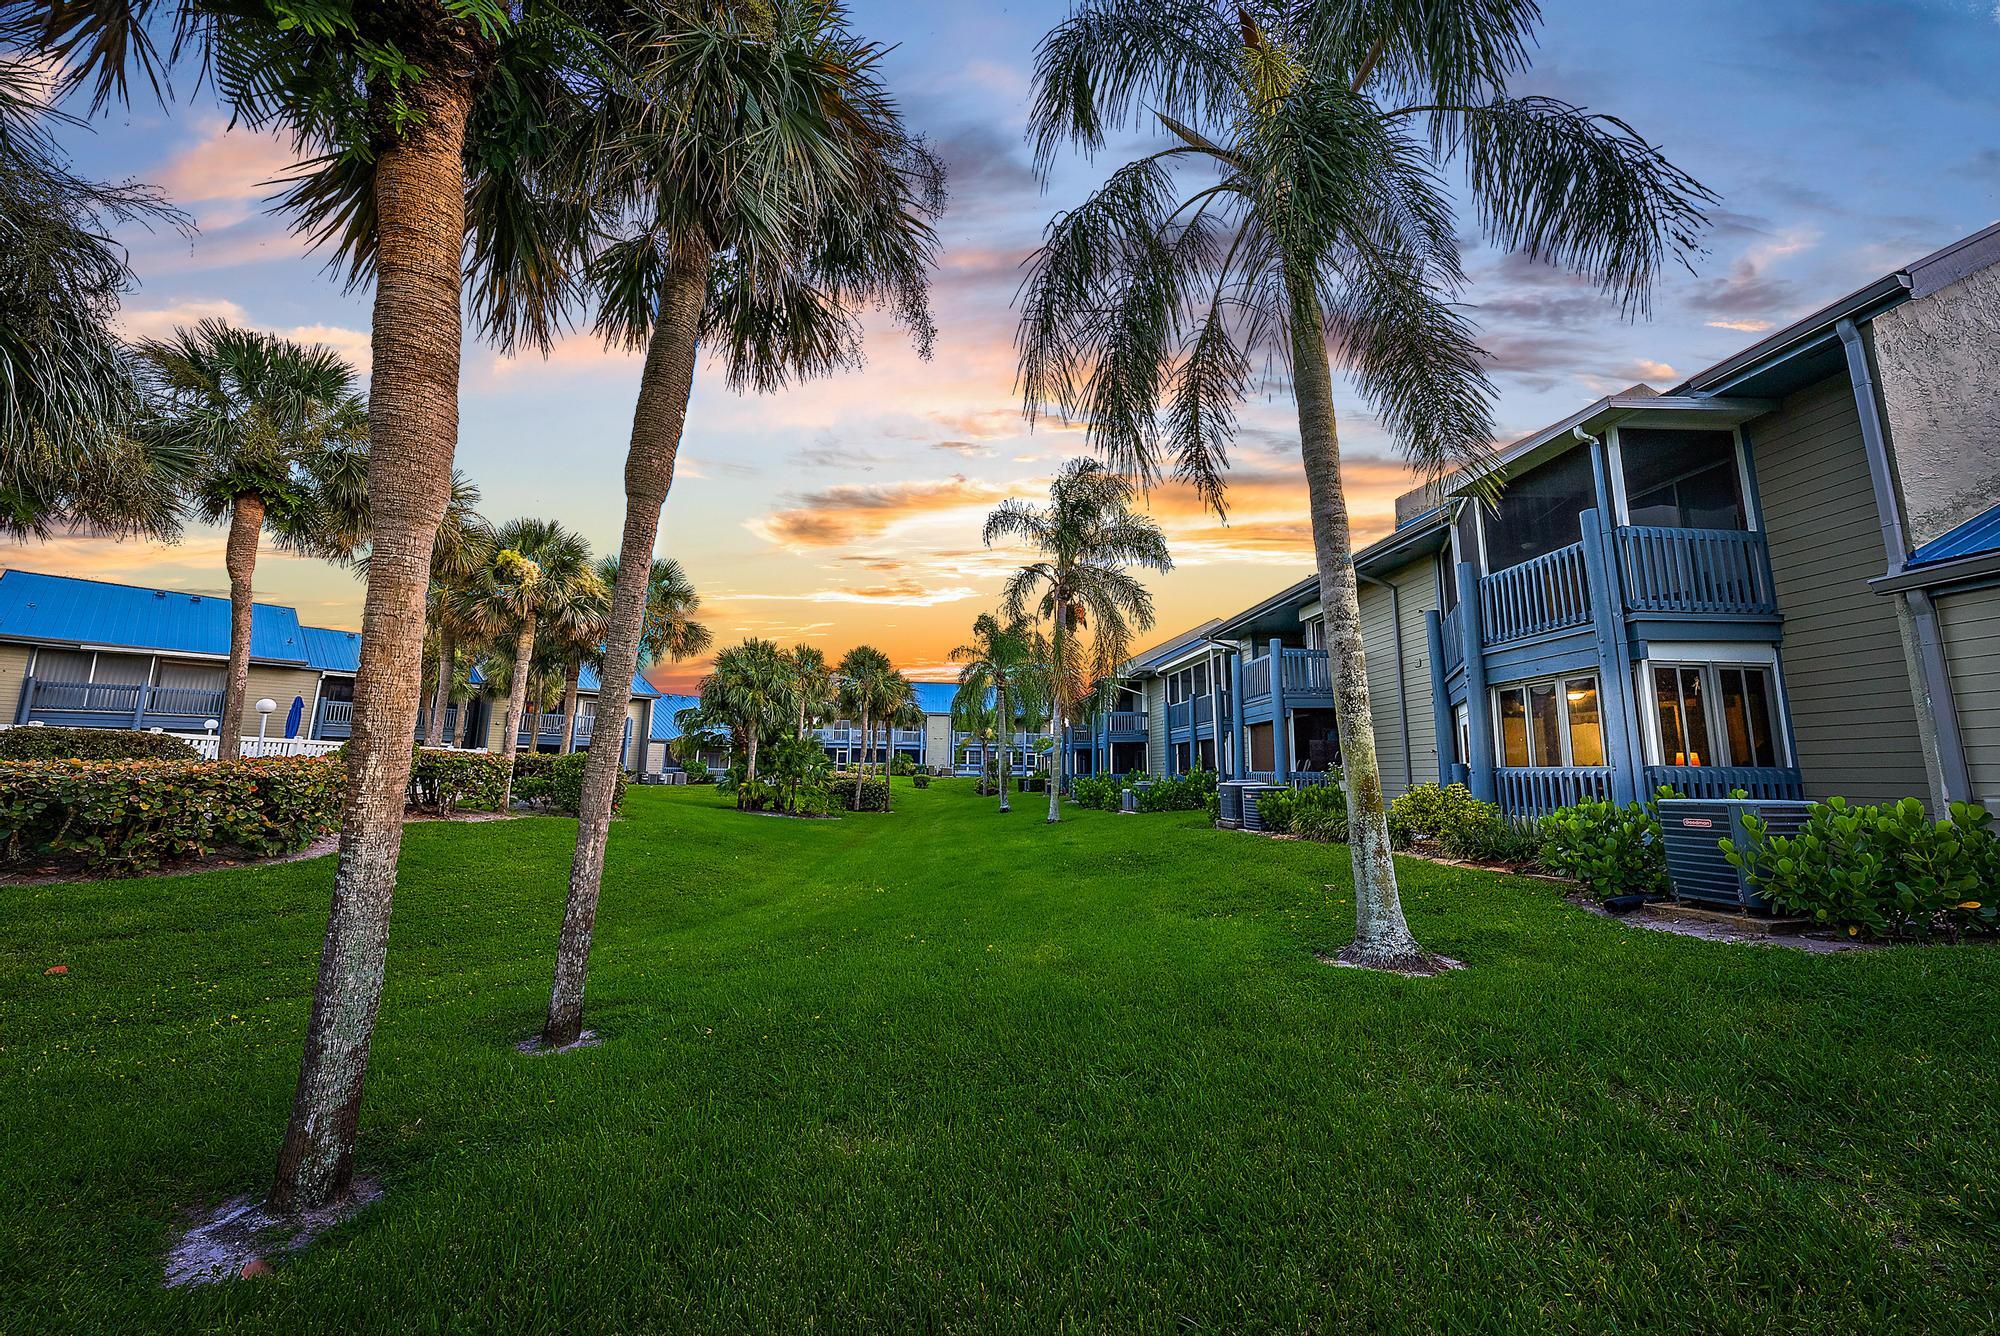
(549, 729)
(1546, 594)
(337, 714)
(118, 705)
(1306, 677)
(1722, 572)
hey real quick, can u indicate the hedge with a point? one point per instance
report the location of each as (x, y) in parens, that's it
(874, 793)
(91, 744)
(123, 817)
(444, 781)
(546, 779)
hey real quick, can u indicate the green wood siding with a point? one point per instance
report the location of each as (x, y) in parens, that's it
(1854, 722)
(1156, 725)
(1971, 627)
(1416, 586)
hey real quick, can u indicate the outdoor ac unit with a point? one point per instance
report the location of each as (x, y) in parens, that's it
(1129, 797)
(1693, 828)
(1229, 806)
(1253, 794)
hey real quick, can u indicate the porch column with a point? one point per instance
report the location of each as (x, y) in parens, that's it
(26, 704)
(1478, 708)
(1281, 727)
(1448, 758)
(1607, 615)
(1236, 763)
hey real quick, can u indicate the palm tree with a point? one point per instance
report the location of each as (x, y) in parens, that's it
(994, 663)
(760, 190)
(464, 547)
(415, 118)
(539, 572)
(812, 685)
(903, 711)
(68, 393)
(272, 425)
(1086, 536)
(751, 687)
(869, 691)
(1325, 219)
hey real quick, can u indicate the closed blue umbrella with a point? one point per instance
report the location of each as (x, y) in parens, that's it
(298, 712)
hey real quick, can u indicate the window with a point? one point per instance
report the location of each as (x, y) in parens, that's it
(1315, 636)
(1447, 581)
(1716, 714)
(1682, 479)
(1464, 718)
(1539, 511)
(1549, 723)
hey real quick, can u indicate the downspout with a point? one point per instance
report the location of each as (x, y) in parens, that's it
(1930, 669)
(1402, 693)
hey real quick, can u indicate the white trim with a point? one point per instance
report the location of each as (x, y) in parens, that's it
(1614, 465)
(1560, 681)
(1696, 656)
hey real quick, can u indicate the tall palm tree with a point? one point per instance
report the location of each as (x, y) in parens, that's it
(463, 549)
(751, 687)
(1086, 537)
(868, 692)
(812, 685)
(273, 427)
(539, 572)
(902, 711)
(758, 189)
(1325, 220)
(415, 118)
(994, 663)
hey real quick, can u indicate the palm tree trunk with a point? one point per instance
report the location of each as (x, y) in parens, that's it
(1056, 650)
(441, 698)
(1005, 710)
(246, 525)
(517, 703)
(664, 387)
(570, 689)
(413, 431)
(1382, 940)
(861, 770)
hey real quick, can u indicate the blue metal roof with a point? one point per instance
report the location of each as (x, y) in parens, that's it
(935, 697)
(666, 727)
(641, 688)
(1976, 537)
(332, 651)
(67, 610)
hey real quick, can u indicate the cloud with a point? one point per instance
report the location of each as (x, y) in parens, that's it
(899, 593)
(159, 322)
(969, 449)
(232, 171)
(1745, 326)
(851, 512)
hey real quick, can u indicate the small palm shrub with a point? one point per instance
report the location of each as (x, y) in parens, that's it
(756, 795)
(1612, 850)
(901, 764)
(92, 744)
(1880, 871)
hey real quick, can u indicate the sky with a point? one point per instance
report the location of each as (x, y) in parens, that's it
(1843, 137)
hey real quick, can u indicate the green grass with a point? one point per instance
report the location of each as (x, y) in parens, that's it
(941, 1069)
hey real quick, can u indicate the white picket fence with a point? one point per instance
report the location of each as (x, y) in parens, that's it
(208, 745)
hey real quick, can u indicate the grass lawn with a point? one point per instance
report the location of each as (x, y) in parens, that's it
(942, 1069)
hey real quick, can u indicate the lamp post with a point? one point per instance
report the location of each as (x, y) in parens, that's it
(264, 708)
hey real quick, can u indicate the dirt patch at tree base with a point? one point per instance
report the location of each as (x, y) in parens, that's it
(1425, 966)
(535, 1048)
(220, 1243)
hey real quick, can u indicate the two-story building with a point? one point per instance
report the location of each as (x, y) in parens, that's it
(1781, 575)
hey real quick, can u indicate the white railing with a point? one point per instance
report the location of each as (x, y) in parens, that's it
(209, 746)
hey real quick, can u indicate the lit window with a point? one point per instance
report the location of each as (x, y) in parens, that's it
(1552, 723)
(1514, 727)
(1586, 727)
(1720, 714)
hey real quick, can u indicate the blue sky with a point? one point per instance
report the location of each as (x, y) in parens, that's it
(1844, 139)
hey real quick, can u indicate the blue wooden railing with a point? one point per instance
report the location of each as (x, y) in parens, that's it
(1722, 571)
(133, 703)
(1453, 635)
(1539, 790)
(1720, 781)
(1128, 721)
(1256, 678)
(1180, 714)
(1306, 673)
(1544, 594)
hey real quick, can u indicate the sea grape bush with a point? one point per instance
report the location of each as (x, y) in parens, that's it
(130, 816)
(1612, 850)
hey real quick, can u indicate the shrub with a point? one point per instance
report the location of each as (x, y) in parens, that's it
(447, 781)
(1178, 793)
(92, 744)
(130, 816)
(901, 764)
(1612, 850)
(1102, 793)
(922, 779)
(1459, 824)
(533, 775)
(874, 793)
(1317, 812)
(754, 795)
(566, 784)
(696, 769)
(1887, 871)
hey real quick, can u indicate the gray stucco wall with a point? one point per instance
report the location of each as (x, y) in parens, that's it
(1854, 723)
(1971, 625)
(1416, 586)
(1938, 364)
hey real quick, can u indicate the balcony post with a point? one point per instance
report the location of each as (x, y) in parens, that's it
(1236, 766)
(1446, 738)
(139, 705)
(1478, 707)
(1281, 742)
(26, 705)
(1615, 714)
